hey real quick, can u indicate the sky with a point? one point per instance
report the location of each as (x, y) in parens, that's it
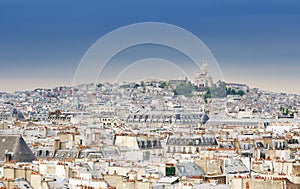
(254, 42)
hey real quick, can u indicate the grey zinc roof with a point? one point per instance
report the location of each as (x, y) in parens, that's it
(66, 154)
(233, 166)
(17, 147)
(188, 169)
(193, 141)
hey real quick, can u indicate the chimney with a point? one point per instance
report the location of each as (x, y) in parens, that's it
(57, 144)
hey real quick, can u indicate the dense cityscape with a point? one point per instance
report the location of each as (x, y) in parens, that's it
(176, 134)
(152, 94)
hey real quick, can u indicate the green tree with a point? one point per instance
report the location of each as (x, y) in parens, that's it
(241, 93)
(136, 86)
(218, 90)
(184, 88)
(163, 84)
(125, 86)
(207, 95)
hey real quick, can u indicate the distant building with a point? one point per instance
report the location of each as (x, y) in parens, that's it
(38, 116)
(5, 116)
(202, 78)
(238, 87)
(189, 144)
(167, 118)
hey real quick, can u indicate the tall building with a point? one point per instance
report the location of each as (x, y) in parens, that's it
(202, 78)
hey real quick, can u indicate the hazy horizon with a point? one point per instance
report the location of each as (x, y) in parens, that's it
(256, 43)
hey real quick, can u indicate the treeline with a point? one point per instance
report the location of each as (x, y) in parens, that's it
(230, 91)
(219, 90)
(186, 88)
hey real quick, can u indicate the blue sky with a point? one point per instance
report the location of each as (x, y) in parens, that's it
(255, 42)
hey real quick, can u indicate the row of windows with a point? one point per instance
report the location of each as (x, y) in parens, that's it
(115, 124)
(179, 149)
(106, 119)
(45, 153)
